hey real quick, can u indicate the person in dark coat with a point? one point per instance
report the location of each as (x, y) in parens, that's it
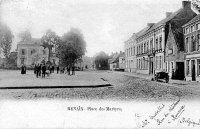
(43, 71)
(68, 70)
(22, 70)
(40, 70)
(37, 70)
(73, 70)
(57, 69)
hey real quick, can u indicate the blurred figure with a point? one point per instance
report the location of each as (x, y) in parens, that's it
(68, 70)
(23, 69)
(35, 69)
(73, 70)
(43, 71)
(57, 69)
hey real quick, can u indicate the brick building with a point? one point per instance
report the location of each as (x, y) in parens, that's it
(151, 42)
(192, 49)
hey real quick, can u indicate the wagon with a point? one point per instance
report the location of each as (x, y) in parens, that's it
(162, 76)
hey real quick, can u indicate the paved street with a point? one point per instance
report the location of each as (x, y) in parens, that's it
(85, 85)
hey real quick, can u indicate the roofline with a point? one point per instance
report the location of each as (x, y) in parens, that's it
(153, 30)
(189, 23)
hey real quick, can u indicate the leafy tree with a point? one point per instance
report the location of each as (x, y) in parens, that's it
(49, 40)
(72, 47)
(101, 60)
(6, 38)
(25, 36)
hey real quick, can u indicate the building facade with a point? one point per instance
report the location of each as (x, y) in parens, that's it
(130, 54)
(31, 53)
(152, 40)
(192, 49)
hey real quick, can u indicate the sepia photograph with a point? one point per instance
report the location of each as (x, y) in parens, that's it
(99, 64)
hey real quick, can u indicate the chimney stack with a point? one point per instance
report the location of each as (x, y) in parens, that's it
(168, 14)
(186, 4)
(150, 24)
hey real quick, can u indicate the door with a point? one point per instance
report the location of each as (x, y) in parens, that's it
(193, 71)
(179, 73)
(151, 65)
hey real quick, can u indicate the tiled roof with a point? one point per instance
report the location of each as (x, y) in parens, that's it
(197, 18)
(162, 22)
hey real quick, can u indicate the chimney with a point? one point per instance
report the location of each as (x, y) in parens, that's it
(168, 14)
(150, 24)
(186, 4)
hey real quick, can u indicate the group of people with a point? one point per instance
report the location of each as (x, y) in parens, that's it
(41, 70)
(66, 70)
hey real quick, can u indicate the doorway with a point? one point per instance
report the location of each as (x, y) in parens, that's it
(179, 74)
(193, 70)
(151, 65)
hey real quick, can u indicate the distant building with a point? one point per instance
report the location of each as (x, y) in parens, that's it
(130, 54)
(118, 61)
(31, 53)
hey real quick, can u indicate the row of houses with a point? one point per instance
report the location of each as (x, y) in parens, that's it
(171, 45)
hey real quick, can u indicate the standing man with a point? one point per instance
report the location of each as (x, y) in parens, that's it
(57, 69)
(73, 70)
(37, 70)
(43, 71)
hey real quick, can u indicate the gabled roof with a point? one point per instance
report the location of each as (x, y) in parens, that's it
(162, 22)
(197, 18)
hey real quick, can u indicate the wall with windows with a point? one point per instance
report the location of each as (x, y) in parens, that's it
(130, 54)
(31, 54)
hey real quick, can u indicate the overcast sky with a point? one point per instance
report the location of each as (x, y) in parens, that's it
(105, 24)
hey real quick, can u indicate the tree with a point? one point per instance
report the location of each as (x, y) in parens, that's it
(6, 38)
(49, 40)
(101, 60)
(72, 47)
(25, 36)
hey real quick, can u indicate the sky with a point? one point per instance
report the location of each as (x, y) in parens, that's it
(105, 24)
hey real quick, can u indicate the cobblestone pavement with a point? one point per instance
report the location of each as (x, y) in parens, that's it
(123, 87)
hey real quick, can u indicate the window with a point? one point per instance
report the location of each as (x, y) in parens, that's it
(160, 61)
(32, 51)
(198, 43)
(186, 44)
(187, 30)
(156, 62)
(147, 46)
(131, 51)
(22, 60)
(193, 43)
(198, 66)
(192, 28)
(197, 26)
(144, 47)
(134, 50)
(156, 43)
(151, 44)
(23, 51)
(187, 67)
(160, 43)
